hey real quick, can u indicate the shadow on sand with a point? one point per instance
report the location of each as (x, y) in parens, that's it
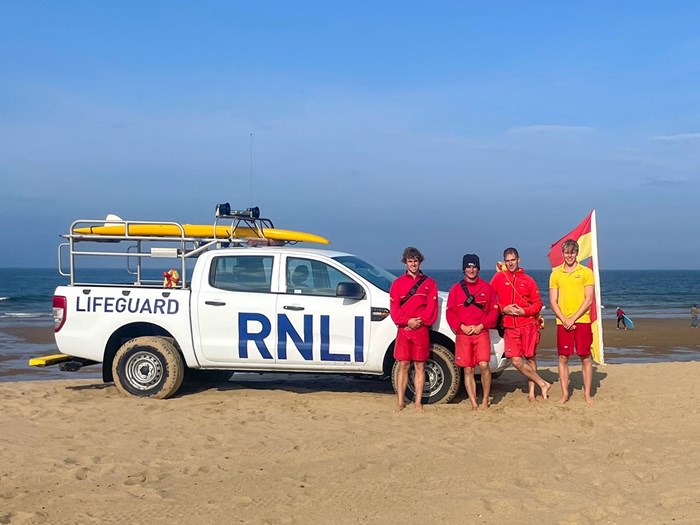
(510, 381)
(513, 381)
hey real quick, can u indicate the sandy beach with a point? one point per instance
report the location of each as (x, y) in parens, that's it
(314, 449)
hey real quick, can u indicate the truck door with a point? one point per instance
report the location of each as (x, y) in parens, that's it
(315, 325)
(235, 312)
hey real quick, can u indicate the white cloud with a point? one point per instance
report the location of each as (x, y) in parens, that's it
(549, 129)
(681, 137)
(644, 161)
(666, 181)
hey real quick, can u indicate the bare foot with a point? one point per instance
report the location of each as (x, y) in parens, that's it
(564, 399)
(545, 390)
(589, 400)
(474, 408)
(484, 406)
(399, 407)
(420, 408)
(532, 398)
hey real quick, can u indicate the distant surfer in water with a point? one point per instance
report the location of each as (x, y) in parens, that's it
(694, 316)
(571, 292)
(520, 304)
(413, 305)
(620, 318)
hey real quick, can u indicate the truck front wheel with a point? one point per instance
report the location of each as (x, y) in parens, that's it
(148, 367)
(442, 377)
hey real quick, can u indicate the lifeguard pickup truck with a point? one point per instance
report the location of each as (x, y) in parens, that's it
(237, 299)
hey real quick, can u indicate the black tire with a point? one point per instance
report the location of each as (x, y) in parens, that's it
(194, 376)
(442, 377)
(148, 367)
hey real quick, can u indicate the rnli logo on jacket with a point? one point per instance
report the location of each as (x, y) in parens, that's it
(424, 289)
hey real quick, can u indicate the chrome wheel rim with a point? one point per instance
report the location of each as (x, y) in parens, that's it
(434, 378)
(143, 370)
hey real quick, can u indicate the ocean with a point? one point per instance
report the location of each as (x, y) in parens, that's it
(26, 294)
(26, 301)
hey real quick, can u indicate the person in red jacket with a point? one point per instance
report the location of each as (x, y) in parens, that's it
(471, 311)
(413, 305)
(620, 313)
(520, 304)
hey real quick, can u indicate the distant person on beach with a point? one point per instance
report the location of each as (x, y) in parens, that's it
(519, 301)
(620, 318)
(413, 305)
(571, 292)
(694, 316)
(471, 311)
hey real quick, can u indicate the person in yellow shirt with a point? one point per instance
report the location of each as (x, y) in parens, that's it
(571, 292)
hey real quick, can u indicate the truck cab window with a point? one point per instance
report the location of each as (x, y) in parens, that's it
(242, 273)
(308, 277)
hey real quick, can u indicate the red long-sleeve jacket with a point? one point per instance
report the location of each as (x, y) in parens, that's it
(520, 289)
(423, 304)
(459, 314)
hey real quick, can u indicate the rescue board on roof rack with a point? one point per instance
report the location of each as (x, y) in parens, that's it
(204, 231)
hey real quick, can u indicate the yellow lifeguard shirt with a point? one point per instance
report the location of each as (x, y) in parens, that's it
(571, 288)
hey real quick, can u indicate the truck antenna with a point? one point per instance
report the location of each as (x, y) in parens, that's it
(251, 168)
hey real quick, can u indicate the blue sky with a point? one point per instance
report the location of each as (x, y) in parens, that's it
(451, 126)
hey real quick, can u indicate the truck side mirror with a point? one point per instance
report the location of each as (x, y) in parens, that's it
(350, 290)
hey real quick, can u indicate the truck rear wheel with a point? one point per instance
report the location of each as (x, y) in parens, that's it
(442, 377)
(148, 367)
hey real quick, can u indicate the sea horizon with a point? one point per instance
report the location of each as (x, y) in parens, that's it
(26, 305)
(425, 267)
(27, 292)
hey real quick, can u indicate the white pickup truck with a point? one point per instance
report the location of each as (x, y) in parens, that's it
(236, 309)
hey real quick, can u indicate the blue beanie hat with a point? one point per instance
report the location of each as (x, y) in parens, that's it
(471, 259)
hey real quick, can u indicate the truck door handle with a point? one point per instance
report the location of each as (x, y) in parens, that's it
(295, 308)
(215, 303)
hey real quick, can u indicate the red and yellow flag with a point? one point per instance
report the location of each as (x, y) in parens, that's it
(582, 234)
(586, 236)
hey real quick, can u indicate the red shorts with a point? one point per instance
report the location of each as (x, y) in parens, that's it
(412, 345)
(581, 336)
(522, 341)
(470, 350)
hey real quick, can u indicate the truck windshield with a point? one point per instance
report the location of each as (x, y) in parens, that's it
(379, 277)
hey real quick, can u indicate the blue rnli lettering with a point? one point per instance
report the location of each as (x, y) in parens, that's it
(359, 339)
(244, 335)
(326, 340)
(305, 345)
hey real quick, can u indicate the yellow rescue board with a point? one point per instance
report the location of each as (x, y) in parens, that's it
(48, 360)
(207, 231)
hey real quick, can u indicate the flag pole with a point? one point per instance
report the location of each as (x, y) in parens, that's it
(596, 274)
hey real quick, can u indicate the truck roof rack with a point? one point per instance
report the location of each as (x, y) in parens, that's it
(139, 241)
